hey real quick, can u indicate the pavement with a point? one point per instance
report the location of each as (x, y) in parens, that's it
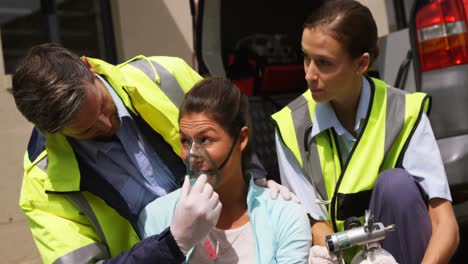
(16, 244)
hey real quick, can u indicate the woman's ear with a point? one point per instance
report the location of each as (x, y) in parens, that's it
(85, 60)
(244, 137)
(363, 63)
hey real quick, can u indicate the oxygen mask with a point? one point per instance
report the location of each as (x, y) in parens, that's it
(198, 162)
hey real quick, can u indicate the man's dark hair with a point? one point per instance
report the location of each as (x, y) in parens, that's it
(48, 86)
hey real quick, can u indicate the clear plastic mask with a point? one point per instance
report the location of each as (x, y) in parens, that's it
(198, 162)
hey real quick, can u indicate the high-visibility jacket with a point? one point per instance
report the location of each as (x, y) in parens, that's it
(392, 117)
(74, 226)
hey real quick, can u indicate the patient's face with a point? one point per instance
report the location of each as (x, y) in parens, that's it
(209, 136)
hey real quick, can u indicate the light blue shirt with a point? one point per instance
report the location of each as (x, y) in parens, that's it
(422, 158)
(129, 163)
(280, 228)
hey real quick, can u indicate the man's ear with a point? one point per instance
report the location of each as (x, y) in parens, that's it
(363, 63)
(85, 60)
(244, 137)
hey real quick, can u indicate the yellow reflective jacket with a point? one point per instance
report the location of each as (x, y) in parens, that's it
(391, 120)
(70, 226)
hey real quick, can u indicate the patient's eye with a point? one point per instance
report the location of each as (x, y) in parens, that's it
(185, 142)
(205, 140)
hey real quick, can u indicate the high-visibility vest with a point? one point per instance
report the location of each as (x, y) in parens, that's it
(391, 120)
(72, 226)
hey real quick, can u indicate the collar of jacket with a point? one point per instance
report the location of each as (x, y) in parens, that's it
(62, 168)
(144, 100)
(115, 78)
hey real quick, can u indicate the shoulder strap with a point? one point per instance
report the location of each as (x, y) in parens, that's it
(167, 82)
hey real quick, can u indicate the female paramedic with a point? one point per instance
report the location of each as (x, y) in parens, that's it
(252, 228)
(352, 142)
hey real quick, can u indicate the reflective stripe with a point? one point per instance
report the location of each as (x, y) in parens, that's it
(297, 103)
(43, 163)
(315, 170)
(167, 83)
(302, 123)
(92, 253)
(301, 120)
(80, 201)
(395, 117)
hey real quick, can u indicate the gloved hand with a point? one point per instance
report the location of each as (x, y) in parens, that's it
(320, 255)
(196, 214)
(276, 188)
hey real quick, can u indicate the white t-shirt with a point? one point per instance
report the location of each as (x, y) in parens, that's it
(231, 246)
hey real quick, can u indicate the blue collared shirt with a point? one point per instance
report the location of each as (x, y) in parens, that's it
(326, 118)
(422, 158)
(128, 163)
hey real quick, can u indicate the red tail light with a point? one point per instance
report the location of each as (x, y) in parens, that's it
(442, 34)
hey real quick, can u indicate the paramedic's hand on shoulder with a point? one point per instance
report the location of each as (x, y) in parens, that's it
(196, 214)
(320, 255)
(276, 188)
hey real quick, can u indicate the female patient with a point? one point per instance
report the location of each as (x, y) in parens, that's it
(252, 228)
